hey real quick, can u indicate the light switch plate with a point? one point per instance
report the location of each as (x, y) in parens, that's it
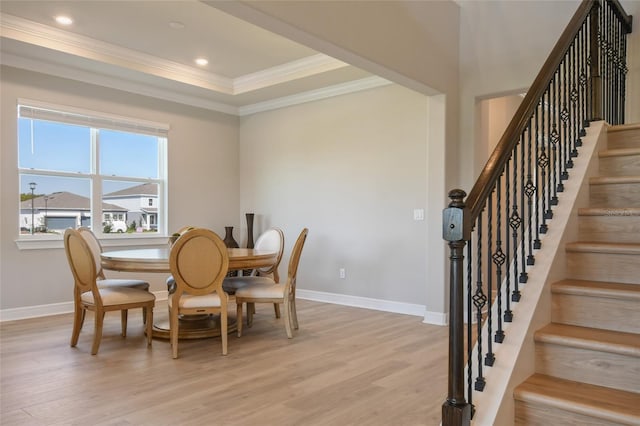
(418, 214)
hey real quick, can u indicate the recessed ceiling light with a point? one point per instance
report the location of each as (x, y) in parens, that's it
(202, 62)
(64, 20)
(176, 25)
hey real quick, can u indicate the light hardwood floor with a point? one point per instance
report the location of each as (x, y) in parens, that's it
(345, 366)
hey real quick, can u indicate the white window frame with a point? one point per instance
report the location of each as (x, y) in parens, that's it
(100, 120)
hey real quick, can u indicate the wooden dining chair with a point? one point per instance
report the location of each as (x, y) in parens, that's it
(89, 297)
(103, 281)
(199, 262)
(267, 290)
(271, 240)
(171, 282)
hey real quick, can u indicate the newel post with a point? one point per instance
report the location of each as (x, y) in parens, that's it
(456, 228)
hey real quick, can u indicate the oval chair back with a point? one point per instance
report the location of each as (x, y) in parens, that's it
(294, 261)
(270, 240)
(82, 263)
(199, 261)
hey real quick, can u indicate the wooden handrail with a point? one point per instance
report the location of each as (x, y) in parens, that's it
(493, 169)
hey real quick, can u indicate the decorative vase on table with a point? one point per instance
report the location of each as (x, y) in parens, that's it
(249, 230)
(250, 242)
(230, 242)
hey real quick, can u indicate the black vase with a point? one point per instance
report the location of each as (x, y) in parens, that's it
(250, 230)
(229, 241)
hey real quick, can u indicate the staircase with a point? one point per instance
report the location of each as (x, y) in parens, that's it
(588, 357)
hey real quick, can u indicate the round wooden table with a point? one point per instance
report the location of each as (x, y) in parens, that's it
(157, 260)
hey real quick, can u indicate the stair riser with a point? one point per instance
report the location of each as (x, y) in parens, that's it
(621, 268)
(625, 139)
(596, 312)
(613, 229)
(588, 366)
(615, 195)
(627, 165)
(528, 414)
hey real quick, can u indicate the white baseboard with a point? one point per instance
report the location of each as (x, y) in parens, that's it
(48, 310)
(436, 318)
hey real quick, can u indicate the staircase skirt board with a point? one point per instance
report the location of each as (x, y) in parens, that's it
(545, 400)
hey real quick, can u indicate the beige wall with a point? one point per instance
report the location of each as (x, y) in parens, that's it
(503, 45)
(352, 169)
(203, 169)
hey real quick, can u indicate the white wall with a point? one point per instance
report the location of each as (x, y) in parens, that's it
(352, 169)
(203, 168)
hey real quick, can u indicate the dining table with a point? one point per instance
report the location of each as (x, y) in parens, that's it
(157, 260)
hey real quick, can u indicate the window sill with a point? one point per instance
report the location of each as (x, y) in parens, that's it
(55, 242)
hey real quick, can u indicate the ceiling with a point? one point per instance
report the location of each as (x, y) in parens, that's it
(149, 47)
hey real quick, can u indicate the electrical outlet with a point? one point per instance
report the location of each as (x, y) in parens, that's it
(343, 273)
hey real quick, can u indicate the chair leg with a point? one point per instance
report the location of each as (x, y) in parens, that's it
(123, 320)
(148, 316)
(294, 313)
(287, 318)
(250, 310)
(239, 318)
(276, 308)
(173, 333)
(223, 330)
(78, 319)
(97, 334)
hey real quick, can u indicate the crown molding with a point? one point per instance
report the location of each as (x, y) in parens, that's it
(63, 41)
(293, 70)
(119, 83)
(314, 95)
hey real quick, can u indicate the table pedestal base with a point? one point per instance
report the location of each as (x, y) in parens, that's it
(194, 327)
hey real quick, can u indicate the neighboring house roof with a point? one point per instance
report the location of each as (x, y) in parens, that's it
(145, 189)
(66, 201)
(149, 210)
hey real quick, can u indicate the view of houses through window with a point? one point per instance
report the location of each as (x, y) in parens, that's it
(76, 166)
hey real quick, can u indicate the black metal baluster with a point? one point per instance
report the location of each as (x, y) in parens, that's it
(548, 214)
(489, 358)
(555, 138)
(573, 97)
(470, 324)
(498, 259)
(543, 162)
(564, 117)
(515, 221)
(523, 238)
(582, 78)
(508, 314)
(537, 243)
(529, 191)
(479, 301)
(623, 71)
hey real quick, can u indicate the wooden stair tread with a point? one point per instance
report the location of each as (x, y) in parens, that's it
(608, 180)
(602, 247)
(609, 211)
(590, 338)
(597, 289)
(619, 152)
(591, 400)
